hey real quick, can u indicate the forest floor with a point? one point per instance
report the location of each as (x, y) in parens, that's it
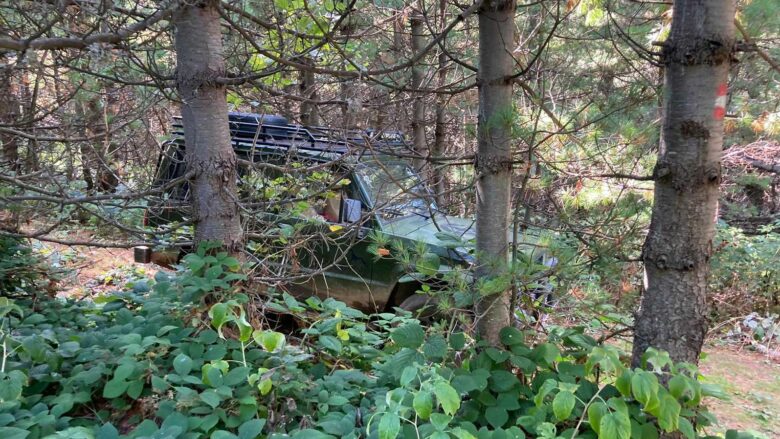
(751, 378)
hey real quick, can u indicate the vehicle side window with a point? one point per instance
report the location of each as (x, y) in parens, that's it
(295, 187)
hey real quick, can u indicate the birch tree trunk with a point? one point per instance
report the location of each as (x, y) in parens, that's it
(676, 254)
(204, 114)
(494, 162)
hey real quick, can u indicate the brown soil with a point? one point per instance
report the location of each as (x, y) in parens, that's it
(88, 271)
(753, 381)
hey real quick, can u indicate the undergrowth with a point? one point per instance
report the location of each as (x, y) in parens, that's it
(179, 357)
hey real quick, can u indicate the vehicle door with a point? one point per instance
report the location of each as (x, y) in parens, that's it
(299, 231)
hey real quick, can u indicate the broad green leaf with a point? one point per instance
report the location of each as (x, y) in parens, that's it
(389, 426)
(615, 426)
(13, 433)
(219, 316)
(211, 397)
(563, 404)
(623, 383)
(270, 341)
(687, 429)
(423, 404)
(669, 414)
(409, 373)
(447, 397)
(548, 386)
(510, 336)
(114, 388)
(251, 429)
(107, 431)
(182, 364)
(409, 335)
(596, 411)
(496, 416)
(644, 386)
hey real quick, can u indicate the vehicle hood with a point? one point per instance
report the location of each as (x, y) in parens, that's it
(438, 231)
(444, 233)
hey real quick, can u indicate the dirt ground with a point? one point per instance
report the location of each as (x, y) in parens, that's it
(87, 271)
(752, 379)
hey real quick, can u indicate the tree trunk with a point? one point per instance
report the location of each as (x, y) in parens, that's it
(493, 163)
(418, 98)
(204, 114)
(676, 254)
(310, 113)
(440, 129)
(9, 115)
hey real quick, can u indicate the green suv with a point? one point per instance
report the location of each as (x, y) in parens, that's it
(359, 209)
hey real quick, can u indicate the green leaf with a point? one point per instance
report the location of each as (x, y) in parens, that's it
(410, 335)
(623, 383)
(265, 386)
(440, 421)
(615, 426)
(219, 316)
(644, 386)
(510, 336)
(596, 412)
(134, 388)
(496, 416)
(13, 433)
(409, 373)
(270, 341)
(687, 429)
(124, 370)
(211, 398)
(251, 429)
(107, 431)
(563, 404)
(457, 341)
(222, 434)
(548, 386)
(678, 385)
(669, 414)
(423, 404)
(389, 426)
(182, 364)
(331, 343)
(114, 388)
(447, 397)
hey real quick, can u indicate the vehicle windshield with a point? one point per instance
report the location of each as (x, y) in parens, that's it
(394, 189)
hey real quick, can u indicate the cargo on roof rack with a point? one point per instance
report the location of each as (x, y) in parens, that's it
(247, 129)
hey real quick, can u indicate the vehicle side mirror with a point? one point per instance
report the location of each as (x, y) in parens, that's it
(351, 210)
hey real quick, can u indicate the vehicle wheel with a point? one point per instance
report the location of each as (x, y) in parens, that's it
(422, 306)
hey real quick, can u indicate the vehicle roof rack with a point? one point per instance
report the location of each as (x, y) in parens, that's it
(252, 128)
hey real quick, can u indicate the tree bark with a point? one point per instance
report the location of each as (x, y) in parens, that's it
(494, 162)
(438, 173)
(204, 114)
(310, 113)
(418, 98)
(9, 115)
(676, 254)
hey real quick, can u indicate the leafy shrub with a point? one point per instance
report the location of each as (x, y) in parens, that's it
(144, 363)
(20, 269)
(745, 275)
